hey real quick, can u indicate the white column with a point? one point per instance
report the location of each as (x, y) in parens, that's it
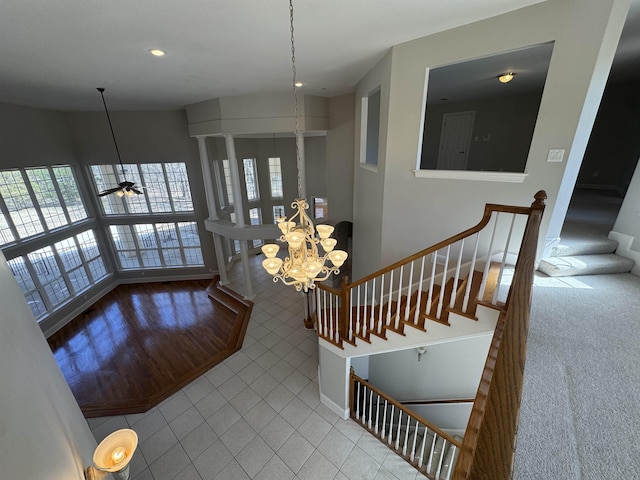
(209, 191)
(302, 179)
(237, 201)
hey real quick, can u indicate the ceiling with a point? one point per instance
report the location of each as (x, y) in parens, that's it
(54, 54)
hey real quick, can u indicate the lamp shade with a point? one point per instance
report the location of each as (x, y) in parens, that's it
(115, 452)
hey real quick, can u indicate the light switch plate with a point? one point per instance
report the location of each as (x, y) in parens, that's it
(555, 155)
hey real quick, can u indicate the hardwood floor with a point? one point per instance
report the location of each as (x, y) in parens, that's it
(141, 343)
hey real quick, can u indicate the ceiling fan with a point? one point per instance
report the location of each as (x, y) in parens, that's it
(125, 187)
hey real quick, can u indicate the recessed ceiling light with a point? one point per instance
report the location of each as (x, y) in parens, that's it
(506, 77)
(298, 84)
(157, 52)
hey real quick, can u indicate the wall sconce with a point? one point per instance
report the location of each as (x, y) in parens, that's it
(113, 455)
(506, 77)
(421, 351)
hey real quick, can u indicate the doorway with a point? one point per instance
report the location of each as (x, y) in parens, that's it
(455, 140)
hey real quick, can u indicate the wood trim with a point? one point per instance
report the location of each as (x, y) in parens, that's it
(400, 406)
(489, 444)
(438, 402)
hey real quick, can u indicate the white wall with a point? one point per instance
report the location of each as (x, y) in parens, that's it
(446, 371)
(43, 434)
(424, 211)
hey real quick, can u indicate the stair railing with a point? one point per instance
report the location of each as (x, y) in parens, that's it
(426, 447)
(453, 275)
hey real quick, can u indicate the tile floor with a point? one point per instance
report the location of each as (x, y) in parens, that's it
(258, 414)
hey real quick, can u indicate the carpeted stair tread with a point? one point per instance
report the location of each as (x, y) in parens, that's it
(572, 246)
(585, 265)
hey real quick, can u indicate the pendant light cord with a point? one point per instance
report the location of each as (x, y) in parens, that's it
(101, 90)
(295, 97)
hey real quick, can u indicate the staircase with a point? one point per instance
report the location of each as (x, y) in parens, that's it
(585, 255)
(475, 282)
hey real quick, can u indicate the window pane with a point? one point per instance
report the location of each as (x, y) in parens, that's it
(88, 245)
(275, 177)
(278, 211)
(70, 192)
(156, 245)
(227, 181)
(179, 186)
(45, 192)
(49, 275)
(251, 179)
(19, 203)
(23, 277)
(165, 188)
(156, 187)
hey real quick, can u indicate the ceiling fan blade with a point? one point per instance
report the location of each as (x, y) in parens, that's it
(135, 190)
(109, 191)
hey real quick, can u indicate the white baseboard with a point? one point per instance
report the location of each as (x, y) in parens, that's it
(624, 249)
(334, 407)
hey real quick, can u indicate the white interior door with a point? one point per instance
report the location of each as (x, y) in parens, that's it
(455, 139)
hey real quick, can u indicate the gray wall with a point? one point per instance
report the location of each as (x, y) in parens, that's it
(339, 161)
(43, 434)
(433, 209)
(508, 120)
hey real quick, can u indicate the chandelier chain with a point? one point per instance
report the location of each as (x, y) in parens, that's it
(295, 97)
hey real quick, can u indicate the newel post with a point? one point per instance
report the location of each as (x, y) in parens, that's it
(344, 312)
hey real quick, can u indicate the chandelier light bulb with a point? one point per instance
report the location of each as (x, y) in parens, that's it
(118, 455)
(324, 231)
(328, 244)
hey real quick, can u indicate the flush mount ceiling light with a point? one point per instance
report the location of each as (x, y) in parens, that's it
(125, 187)
(304, 266)
(506, 77)
(156, 52)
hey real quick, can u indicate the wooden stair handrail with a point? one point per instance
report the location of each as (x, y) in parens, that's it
(488, 446)
(488, 211)
(401, 407)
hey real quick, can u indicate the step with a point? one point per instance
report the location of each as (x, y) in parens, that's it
(572, 246)
(585, 265)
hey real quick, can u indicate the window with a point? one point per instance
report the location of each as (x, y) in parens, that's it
(251, 179)
(227, 181)
(370, 128)
(278, 211)
(157, 245)
(51, 275)
(275, 177)
(255, 218)
(37, 200)
(166, 188)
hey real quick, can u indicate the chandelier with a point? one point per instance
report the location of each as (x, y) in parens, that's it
(304, 266)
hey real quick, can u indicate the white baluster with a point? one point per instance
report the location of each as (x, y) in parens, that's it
(377, 413)
(472, 270)
(494, 299)
(364, 320)
(415, 437)
(350, 319)
(357, 400)
(434, 258)
(389, 297)
(444, 283)
(444, 449)
(398, 432)
(370, 408)
(488, 262)
(406, 435)
(319, 311)
(384, 419)
(398, 301)
(380, 304)
(358, 311)
(409, 294)
(372, 321)
(424, 441)
(331, 316)
(456, 276)
(364, 406)
(391, 424)
(453, 458)
(417, 314)
(433, 447)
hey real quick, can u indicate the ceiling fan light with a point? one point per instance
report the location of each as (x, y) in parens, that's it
(506, 77)
(120, 193)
